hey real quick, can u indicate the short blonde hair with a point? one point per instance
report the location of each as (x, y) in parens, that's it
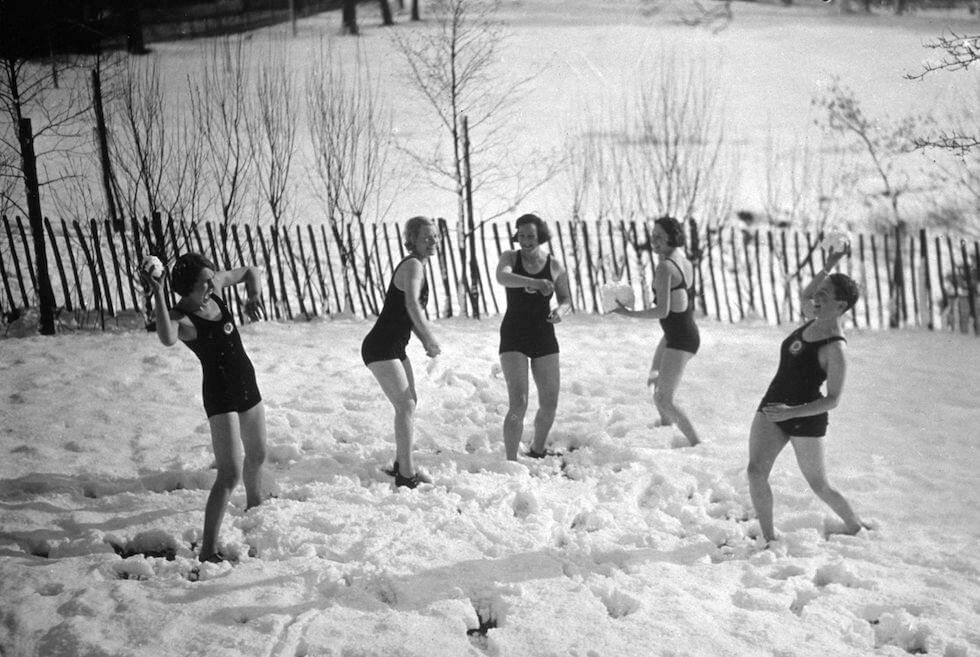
(412, 228)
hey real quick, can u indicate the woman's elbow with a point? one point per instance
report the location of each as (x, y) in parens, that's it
(167, 338)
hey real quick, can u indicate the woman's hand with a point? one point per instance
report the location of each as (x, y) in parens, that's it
(779, 412)
(543, 286)
(150, 284)
(620, 309)
(431, 347)
(254, 309)
(834, 257)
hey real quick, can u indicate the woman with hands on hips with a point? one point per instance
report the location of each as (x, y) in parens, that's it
(673, 299)
(383, 348)
(527, 332)
(793, 409)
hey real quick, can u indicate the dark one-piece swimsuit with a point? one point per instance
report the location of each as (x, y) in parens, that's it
(229, 379)
(391, 332)
(525, 327)
(798, 380)
(680, 331)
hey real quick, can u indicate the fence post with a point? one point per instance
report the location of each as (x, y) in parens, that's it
(74, 266)
(971, 290)
(486, 267)
(102, 269)
(333, 281)
(738, 283)
(27, 253)
(60, 264)
(3, 269)
(306, 270)
(444, 248)
(96, 290)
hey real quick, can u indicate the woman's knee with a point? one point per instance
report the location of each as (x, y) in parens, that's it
(663, 397)
(517, 405)
(405, 405)
(228, 477)
(256, 453)
(757, 471)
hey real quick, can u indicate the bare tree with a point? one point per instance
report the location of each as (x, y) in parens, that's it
(219, 103)
(272, 130)
(454, 67)
(680, 139)
(156, 147)
(804, 184)
(350, 130)
(884, 147)
(44, 120)
(957, 53)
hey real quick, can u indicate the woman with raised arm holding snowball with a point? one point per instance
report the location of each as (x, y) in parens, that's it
(673, 299)
(202, 321)
(794, 410)
(383, 348)
(527, 332)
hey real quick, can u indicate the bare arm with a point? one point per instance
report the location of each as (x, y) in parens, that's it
(833, 360)
(562, 292)
(507, 277)
(252, 276)
(661, 284)
(806, 294)
(409, 278)
(169, 327)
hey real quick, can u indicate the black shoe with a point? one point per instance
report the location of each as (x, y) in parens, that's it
(406, 482)
(531, 454)
(421, 476)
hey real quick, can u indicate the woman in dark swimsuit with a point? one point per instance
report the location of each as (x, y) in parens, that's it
(232, 401)
(673, 290)
(527, 332)
(793, 410)
(383, 349)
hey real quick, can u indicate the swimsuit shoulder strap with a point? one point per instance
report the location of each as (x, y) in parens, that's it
(683, 283)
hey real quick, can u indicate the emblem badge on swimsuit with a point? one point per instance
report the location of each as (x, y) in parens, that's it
(228, 328)
(796, 347)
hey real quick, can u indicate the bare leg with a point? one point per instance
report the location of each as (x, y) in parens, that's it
(227, 455)
(766, 441)
(398, 384)
(810, 456)
(671, 371)
(654, 375)
(252, 424)
(547, 378)
(515, 368)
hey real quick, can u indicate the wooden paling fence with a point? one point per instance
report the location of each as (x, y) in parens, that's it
(907, 280)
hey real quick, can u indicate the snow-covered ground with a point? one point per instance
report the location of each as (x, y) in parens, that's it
(624, 545)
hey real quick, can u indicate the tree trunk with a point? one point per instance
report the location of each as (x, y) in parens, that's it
(117, 224)
(29, 162)
(474, 287)
(349, 17)
(386, 18)
(415, 10)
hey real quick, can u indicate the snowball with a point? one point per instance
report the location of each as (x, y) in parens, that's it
(614, 294)
(836, 240)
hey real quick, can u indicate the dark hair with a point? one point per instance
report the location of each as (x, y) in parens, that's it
(185, 271)
(674, 230)
(412, 228)
(544, 235)
(845, 289)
